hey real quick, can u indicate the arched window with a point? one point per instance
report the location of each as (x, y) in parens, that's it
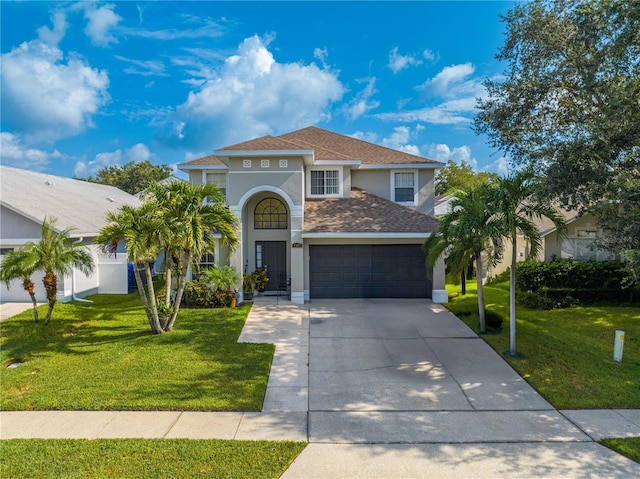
(270, 214)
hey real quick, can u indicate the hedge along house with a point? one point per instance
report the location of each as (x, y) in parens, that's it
(27, 197)
(329, 215)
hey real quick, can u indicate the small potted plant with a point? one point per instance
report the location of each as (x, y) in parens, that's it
(261, 279)
(248, 286)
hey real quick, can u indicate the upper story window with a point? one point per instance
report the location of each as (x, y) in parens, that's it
(270, 214)
(325, 182)
(219, 179)
(404, 186)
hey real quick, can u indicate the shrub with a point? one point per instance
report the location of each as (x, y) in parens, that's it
(221, 298)
(198, 295)
(260, 278)
(533, 300)
(492, 319)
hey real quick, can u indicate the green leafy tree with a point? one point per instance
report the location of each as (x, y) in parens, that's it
(469, 230)
(454, 176)
(568, 105)
(132, 177)
(516, 206)
(21, 264)
(178, 219)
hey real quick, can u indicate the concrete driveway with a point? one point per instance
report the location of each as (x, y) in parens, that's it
(409, 371)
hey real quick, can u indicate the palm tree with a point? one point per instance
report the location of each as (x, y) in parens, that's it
(178, 219)
(193, 213)
(137, 227)
(56, 255)
(21, 264)
(469, 230)
(517, 205)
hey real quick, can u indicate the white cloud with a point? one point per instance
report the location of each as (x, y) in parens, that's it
(362, 103)
(143, 67)
(321, 55)
(251, 95)
(100, 22)
(399, 140)
(442, 152)
(453, 101)
(430, 55)
(137, 153)
(53, 36)
(502, 166)
(13, 151)
(399, 62)
(47, 96)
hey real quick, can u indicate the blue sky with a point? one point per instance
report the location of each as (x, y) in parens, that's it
(87, 85)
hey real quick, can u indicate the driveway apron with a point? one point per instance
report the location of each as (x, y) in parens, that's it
(409, 371)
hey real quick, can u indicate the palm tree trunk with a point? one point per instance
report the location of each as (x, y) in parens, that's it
(182, 281)
(463, 280)
(50, 282)
(143, 295)
(168, 264)
(155, 320)
(28, 286)
(512, 299)
(483, 324)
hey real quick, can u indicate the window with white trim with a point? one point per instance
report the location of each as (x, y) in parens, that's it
(219, 179)
(325, 182)
(404, 186)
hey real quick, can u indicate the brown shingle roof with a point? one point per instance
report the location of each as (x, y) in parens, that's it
(206, 160)
(364, 212)
(368, 153)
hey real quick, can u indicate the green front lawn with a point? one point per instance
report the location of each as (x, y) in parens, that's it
(102, 356)
(567, 354)
(146, 458)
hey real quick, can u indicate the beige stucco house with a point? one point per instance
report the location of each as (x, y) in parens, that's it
(27, 197)
(328, 215)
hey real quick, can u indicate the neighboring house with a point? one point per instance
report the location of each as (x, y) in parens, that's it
(327, 215)
(580, 242)
(26, 198)
(442, 205)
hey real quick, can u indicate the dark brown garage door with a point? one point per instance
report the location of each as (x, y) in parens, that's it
(368, 271)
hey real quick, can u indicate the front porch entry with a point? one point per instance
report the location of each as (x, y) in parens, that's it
(272, 257)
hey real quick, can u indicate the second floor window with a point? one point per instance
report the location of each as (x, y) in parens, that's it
(404, 187)
(325, 182)
(219, 179)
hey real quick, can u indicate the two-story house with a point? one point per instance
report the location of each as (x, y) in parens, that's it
(333, 216)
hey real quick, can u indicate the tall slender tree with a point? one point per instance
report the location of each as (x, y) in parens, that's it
(21, 264)
(517, 205)
(470, 229)
(136, 227)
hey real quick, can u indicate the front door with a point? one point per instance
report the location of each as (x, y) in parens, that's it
(272, 256)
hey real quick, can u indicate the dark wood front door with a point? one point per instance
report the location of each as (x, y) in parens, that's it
(272, 256)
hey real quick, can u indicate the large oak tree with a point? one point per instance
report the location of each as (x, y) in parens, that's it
(568, 104)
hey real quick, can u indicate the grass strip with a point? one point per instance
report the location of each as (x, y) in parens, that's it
(629, 447)
(565, 354)
(146, 458)
(102, 356)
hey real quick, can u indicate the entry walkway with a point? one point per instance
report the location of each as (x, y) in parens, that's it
(389, 388)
